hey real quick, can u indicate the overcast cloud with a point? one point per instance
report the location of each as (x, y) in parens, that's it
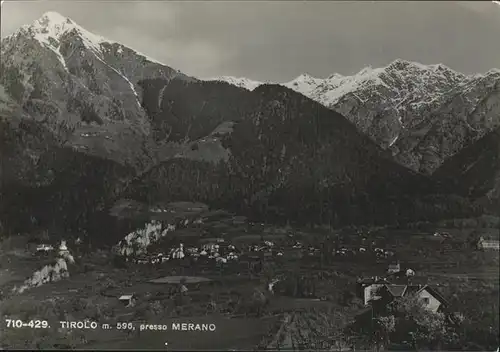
(279, 40)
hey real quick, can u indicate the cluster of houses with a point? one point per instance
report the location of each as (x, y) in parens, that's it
(217, 249)
(221, 251)
(379, 252)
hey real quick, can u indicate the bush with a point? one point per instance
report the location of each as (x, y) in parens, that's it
(156, 307)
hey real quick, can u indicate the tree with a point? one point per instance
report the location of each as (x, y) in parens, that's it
(387, 326)
(414, 322)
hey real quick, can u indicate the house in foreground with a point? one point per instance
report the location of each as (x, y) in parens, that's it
(431, 299)
(379, 306)
(379, 289)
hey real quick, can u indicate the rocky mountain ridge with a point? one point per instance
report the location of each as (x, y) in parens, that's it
(475, 171)
(421, 114)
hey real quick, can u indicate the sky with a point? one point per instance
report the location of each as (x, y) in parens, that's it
(279, 40)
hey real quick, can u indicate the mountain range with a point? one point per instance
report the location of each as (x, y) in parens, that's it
(85, 121)
(421, 114)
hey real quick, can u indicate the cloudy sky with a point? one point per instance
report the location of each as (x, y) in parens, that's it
(279, 40)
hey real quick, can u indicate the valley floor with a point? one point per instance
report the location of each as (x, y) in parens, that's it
(228, 300)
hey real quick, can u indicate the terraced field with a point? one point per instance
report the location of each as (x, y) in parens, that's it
(308, 330)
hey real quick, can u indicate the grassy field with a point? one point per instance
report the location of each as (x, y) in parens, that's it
(178, 279)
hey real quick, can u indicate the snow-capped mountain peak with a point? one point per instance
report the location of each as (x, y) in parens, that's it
(91, 84)
(50, 29)
(52, 26)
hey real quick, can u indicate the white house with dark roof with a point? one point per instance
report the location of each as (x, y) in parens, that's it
(128, 299)
(431, 298)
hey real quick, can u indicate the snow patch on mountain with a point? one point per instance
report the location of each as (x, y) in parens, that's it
(137, 98)
(393, 141)
(160, 96)
(237, 81)
(52, 45)
(329, 91)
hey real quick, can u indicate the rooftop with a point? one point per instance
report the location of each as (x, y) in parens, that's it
(373, 280)
(123, 297)
(396, 290)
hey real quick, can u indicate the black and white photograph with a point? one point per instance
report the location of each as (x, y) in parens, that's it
(249, 175)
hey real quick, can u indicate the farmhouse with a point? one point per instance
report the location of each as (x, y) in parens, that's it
(431, 299)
